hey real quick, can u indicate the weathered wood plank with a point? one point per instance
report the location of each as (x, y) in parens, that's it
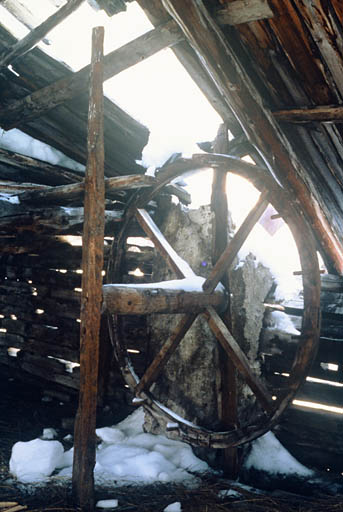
(92, 265)
(244, 11)
(134, 300)
(67, 193)
(324, 27)
(21, 12)
(21, 168)
(320, 114)
(58, 220)
(39, 102)
(48, 369)
(239, 359)
(65, 127)
(167, 350)
(238, 90)
(177, 264)
(314, 437)
(38, 33)
(192, 63)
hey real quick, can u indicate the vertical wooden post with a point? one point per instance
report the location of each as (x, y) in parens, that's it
(227, 403)
(92, 265)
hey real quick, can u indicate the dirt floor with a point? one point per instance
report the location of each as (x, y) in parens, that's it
(23, 415)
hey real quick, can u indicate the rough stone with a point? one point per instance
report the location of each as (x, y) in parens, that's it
(191, 381)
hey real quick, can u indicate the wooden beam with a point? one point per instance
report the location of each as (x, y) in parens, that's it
(20, 168)
(244, 11)
(173, 260)
(37, 34)
(141, 300)
(192, 63)
(92, 266)
(239, 359)
(70, 193)
(258, 122)
(227, 394)
(75, 191)
(228, 256)
(17, 218)
(321, 114)
(39, 102)
(161, 359)
(21, 12)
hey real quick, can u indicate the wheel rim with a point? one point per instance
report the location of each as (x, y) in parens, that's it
(288, 209)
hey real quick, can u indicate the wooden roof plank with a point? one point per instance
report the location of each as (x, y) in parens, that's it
(65, 126)
(39, 102)
(244, 11)
(38, 33)
(240, 93)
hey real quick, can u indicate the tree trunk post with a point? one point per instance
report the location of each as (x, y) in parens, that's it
(91, 296)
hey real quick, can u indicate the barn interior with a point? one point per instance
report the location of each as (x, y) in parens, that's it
(85, 240)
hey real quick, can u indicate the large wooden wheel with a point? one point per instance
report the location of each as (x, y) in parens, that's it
(133, 299)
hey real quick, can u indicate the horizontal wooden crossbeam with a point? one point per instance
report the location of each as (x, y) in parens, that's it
(141, 300)
(320, 114)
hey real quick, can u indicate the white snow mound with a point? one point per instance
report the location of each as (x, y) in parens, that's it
(33, 461)
(268, 454)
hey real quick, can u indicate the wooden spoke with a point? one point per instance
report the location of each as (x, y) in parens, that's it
(137, 301)
(239, 359)
(236, 243)
(165, 353)
(177, 264)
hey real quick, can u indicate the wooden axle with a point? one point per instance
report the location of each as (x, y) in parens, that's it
(140, 300)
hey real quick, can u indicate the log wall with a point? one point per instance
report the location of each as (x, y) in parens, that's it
(312, 428)
(40, 314)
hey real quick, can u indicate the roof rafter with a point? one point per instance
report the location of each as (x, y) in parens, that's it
(259, 124)
(39, 102)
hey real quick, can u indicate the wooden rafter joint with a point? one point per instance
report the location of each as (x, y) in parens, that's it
(244, 11)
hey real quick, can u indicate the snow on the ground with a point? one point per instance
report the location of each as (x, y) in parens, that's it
(20, 142)
(268, 454)
(126, 454)
(33, 461)
(107, 503)
(229, 493)
(173, 507)
(49, 433)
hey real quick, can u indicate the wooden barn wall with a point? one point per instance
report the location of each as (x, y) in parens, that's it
(39, 312)
(39, 319)
(314, 435)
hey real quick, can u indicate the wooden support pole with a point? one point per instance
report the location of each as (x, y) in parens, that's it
(92, 265)
(39, 102)
(227, 394)
(38, 33)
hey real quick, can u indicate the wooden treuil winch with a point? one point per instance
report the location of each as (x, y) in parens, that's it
(190, 297)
